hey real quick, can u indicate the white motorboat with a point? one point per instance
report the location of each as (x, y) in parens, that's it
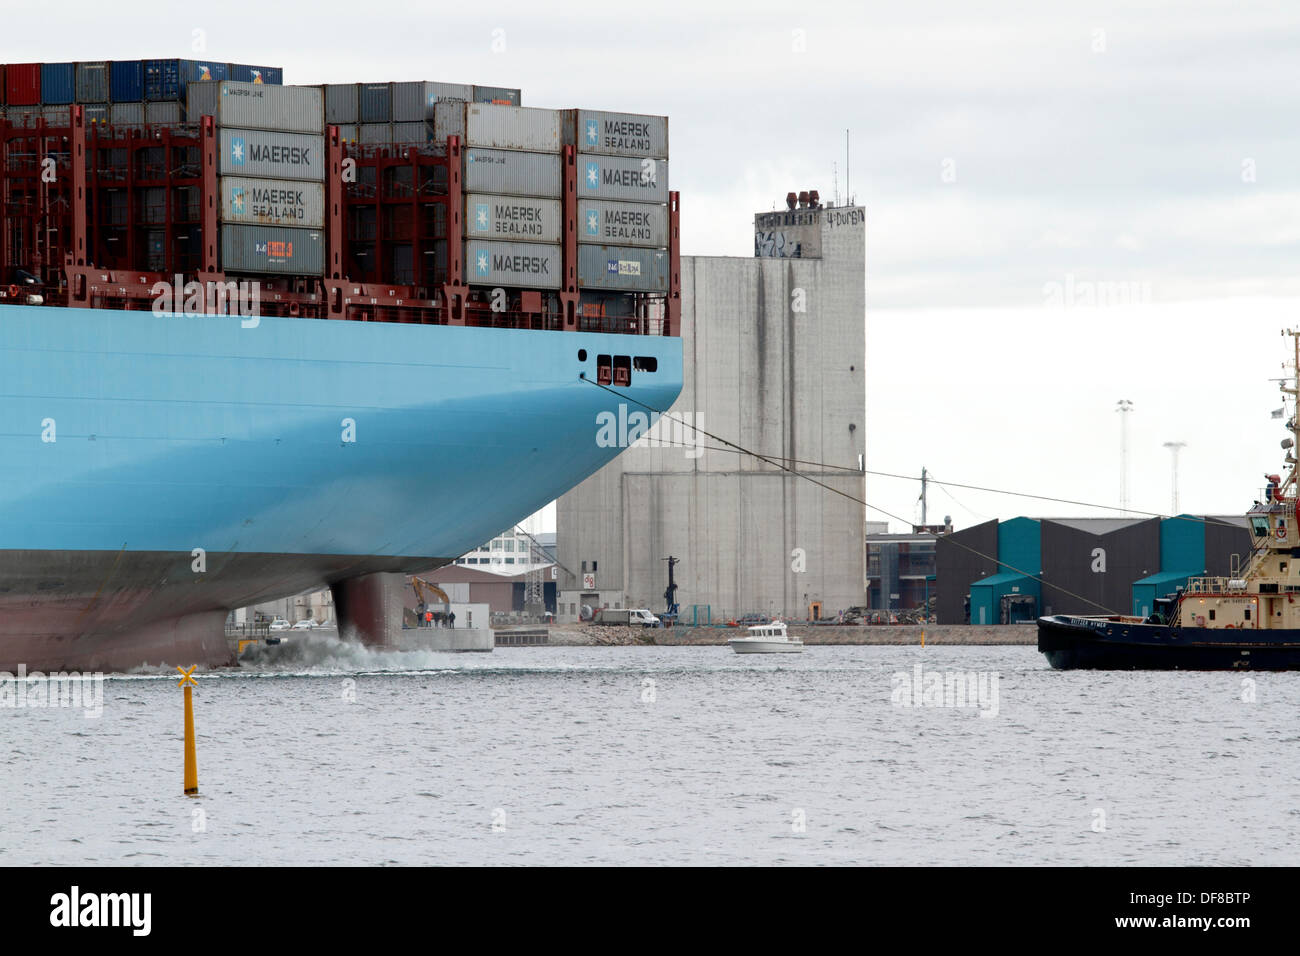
(767, 639)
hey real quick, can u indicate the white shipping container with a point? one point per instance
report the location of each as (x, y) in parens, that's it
(529, 265)
(512, 127)
(622, 177)
(617, 134)
(499, 127)
(448, 120)
(126, 114)
(254, 152)
(410, 132)
(513, 217)
(512, 173)
(272, 202)
(288, 109)
(622, 223)
(162, 114)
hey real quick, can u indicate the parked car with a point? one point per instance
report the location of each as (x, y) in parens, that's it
(628, 615)
(304, 625)
(280, 624)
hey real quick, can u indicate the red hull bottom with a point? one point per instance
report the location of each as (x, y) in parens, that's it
(192, 639)
(109, 611)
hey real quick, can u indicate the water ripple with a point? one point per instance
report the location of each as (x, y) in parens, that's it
(328, 753)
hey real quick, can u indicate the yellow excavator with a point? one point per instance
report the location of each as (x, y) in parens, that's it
(426, 594)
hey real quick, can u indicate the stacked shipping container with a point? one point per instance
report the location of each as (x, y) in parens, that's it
(272, 167)
(400, 113)
(512, 179)
(623, 188)
(122, 92)
(513, 153)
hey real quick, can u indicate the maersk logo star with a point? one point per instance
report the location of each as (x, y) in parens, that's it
(593, 133)
(593, 175)
(593, 224)
(236, 200)
(481, 215)
(482, 264)
(237, 151)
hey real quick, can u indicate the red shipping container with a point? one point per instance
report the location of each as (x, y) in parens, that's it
(4, 97)
(23, 84)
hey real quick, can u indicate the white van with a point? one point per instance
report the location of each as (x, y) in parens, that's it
(640, 615)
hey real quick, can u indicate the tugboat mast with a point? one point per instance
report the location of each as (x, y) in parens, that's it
(1292, 388)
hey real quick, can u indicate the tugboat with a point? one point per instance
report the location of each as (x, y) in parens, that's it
(1247, 622)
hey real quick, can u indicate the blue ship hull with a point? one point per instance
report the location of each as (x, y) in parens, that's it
(296, 453)
(1115, 644)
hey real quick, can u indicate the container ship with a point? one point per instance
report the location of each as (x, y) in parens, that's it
(1249, 620)
(257, 338)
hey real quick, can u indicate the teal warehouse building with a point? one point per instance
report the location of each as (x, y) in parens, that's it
(1010, 571)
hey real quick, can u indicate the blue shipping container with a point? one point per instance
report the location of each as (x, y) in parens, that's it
(168, 79)
(58, 83)
(244, 73)
(162, 80)
(126, 81)
(194, 71)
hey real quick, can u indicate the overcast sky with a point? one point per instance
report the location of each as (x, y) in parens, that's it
(1015, 161)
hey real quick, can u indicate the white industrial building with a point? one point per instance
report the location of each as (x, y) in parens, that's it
(513, 551)
(773, 353)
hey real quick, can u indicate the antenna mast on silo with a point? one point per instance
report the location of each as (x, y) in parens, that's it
(848, 192)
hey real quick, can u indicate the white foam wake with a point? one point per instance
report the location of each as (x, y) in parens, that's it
(319, 654)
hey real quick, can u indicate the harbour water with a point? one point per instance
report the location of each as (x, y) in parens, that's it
(334, 754)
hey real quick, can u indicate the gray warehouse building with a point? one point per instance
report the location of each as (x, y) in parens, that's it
(773, 361)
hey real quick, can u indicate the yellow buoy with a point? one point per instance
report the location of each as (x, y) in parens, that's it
(191, 765)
